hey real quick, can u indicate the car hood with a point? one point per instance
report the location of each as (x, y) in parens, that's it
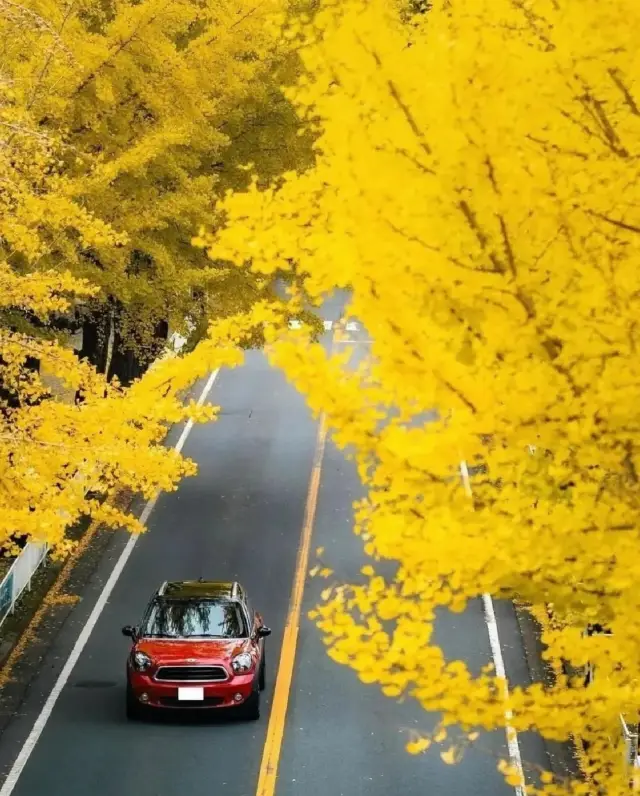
(167, 651)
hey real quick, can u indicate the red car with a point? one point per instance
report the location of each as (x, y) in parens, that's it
(200, 645)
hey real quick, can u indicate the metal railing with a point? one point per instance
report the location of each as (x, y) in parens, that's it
(630, 738)
(19, 577)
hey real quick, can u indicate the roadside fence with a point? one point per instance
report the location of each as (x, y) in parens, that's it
(18, 578)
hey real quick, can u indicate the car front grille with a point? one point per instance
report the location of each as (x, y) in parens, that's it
(192, 674)
(174, 702)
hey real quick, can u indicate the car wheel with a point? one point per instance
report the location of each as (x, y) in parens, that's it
(262, 682)
(252, 707)
(134, 708)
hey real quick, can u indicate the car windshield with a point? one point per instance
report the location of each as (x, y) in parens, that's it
(195, 619)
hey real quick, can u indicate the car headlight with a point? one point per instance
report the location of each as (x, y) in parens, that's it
(141, 661)
(242, 663)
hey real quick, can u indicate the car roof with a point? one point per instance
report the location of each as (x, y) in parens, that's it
(202, 589)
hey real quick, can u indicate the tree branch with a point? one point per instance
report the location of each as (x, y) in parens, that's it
(404, 108)
(615, 75)
(613, 221)
(460, 395)
(123, 45)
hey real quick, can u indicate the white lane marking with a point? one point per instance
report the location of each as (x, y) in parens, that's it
(350, 326)
(498, 661)
(40, 723)
(352, 342)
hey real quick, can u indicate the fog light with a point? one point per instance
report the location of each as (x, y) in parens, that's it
(144, 697)
(238, 697)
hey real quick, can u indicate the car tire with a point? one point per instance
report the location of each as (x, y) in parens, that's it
(251, 710)
(134, 708)
(262, 680)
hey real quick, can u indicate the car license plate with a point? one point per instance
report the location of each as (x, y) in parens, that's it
(190, 694)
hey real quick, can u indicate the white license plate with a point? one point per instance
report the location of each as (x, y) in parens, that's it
(190, 694)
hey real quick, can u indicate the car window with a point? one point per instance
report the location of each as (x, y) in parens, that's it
(249, 608)
(197, 619)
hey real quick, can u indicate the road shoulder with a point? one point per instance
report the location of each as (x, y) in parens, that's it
(39, 638)
(562, 756)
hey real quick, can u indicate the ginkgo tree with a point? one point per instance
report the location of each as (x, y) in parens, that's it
(477, 189)
(110, 116)
(52, 451)
(145, 105)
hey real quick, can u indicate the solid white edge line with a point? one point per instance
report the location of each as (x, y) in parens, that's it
(498, 662)
(40, 723)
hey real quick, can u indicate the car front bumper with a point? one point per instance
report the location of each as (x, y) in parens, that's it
(155, 694)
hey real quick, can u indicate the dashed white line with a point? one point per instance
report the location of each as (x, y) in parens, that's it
(350, 326)
(41, 722)
(354, 342)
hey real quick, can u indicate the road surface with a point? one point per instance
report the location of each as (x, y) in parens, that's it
(242, 518)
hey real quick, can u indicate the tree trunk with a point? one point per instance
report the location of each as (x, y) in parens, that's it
(126, 365)
(95, 339)
(96, 330)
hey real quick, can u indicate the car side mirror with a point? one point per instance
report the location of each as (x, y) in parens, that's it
(129, 630)
(263, 632)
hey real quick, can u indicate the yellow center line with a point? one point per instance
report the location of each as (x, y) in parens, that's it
(275, 730)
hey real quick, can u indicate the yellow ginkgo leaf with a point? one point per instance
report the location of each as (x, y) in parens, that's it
(440, 736)
(514, 779)
(418, 746)
(449, 757)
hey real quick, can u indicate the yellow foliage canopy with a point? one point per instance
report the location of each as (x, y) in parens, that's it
(52, 452)
(122, 116)
(111, 119)
(477, 187)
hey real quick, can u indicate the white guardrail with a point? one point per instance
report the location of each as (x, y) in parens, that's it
(630, 738)
(18, 578)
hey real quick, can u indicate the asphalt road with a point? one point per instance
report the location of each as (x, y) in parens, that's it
(241, 518)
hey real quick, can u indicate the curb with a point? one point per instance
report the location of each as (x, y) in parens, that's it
(580, 751)
(564, 757)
